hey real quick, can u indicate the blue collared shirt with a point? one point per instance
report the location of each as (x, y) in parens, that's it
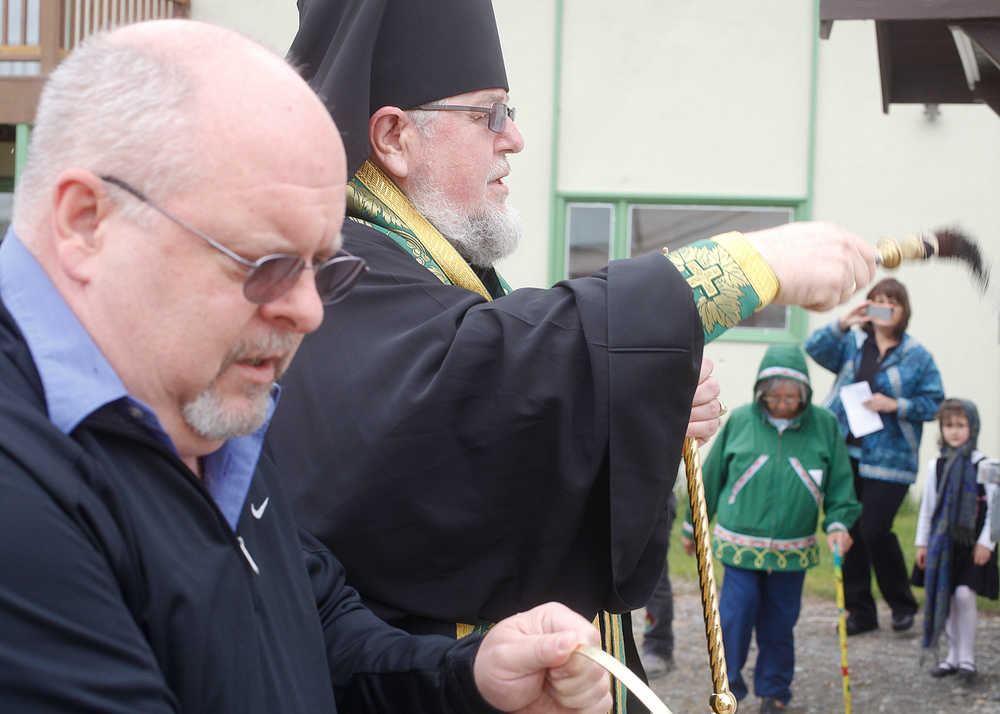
(78, 380)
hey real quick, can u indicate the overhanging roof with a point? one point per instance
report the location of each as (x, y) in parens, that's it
(930, 51)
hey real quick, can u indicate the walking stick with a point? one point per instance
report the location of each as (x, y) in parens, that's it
(722, 700)
(838, 576)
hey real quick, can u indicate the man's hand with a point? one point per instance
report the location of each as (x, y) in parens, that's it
(981, 554)
(818, 265)
(526, 664)
(881, 403)
(842, 539)
(705, 407)
(688, 544)
(921, 556)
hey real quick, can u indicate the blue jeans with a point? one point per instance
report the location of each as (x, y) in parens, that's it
(769, 602)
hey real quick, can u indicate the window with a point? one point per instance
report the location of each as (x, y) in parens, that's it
(6, 209)
(598, 231)
(7, 161)
(589, 233)
(15, 16)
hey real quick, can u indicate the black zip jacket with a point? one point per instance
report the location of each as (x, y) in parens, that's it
(123, 589)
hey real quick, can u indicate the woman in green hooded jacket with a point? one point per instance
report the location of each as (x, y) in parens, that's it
(776, 464)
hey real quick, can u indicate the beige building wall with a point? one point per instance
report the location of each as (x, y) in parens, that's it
(684, 97)
(271, 22)
(715, 98)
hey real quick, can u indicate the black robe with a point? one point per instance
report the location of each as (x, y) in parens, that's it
(468, 459)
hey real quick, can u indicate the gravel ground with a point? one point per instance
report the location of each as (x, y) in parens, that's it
(885, 674)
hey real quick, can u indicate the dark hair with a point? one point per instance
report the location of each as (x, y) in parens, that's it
(894, 290)
(950, 408)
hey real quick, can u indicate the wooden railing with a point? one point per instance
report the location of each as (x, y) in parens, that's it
(36, 34)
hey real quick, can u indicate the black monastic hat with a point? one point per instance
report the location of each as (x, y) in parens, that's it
(360, 55)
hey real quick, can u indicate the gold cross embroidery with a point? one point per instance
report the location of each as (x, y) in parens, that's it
(701, 277)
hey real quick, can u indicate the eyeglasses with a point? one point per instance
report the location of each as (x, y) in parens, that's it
(274, 275)
(498, 112)
(775, 401)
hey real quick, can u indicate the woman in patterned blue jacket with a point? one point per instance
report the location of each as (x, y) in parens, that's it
(906, 391)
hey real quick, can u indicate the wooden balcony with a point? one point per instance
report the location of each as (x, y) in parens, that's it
(36, 34)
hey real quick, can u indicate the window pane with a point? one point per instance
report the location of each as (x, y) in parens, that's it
(656, 227)
(588, 237)
(6, 208)
(7, 159)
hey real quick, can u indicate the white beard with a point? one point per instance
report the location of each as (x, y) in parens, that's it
(482, 237)
(211, 418)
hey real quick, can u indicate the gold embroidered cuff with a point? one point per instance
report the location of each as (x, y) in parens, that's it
(759, 273)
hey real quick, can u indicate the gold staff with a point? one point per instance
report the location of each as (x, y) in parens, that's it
(722, 700)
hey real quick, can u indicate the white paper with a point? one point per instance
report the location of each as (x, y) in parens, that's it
(860, 418)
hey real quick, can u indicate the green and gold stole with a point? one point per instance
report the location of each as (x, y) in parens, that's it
(374, 200)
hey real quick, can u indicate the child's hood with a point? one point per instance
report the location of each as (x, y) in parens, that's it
(972, 414)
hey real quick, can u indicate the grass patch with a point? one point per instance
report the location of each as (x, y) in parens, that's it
(819, 579)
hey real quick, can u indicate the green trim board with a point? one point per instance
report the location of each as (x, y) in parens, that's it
(620, 242)
(557, 242)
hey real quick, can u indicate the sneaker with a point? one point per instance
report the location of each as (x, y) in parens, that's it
(943, 670)
(771, 705)
(656, 665)
(856, 627)
(902, 621)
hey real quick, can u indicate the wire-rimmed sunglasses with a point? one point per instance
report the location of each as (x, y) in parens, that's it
(498, 112)
(270, 277)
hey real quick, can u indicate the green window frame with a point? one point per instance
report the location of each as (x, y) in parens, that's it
(619, 243)
(14, 139)
(22, 135)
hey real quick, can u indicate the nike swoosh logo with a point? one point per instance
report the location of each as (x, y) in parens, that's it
(258, 511)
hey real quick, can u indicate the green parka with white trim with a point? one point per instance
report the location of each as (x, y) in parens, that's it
(766, 488)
